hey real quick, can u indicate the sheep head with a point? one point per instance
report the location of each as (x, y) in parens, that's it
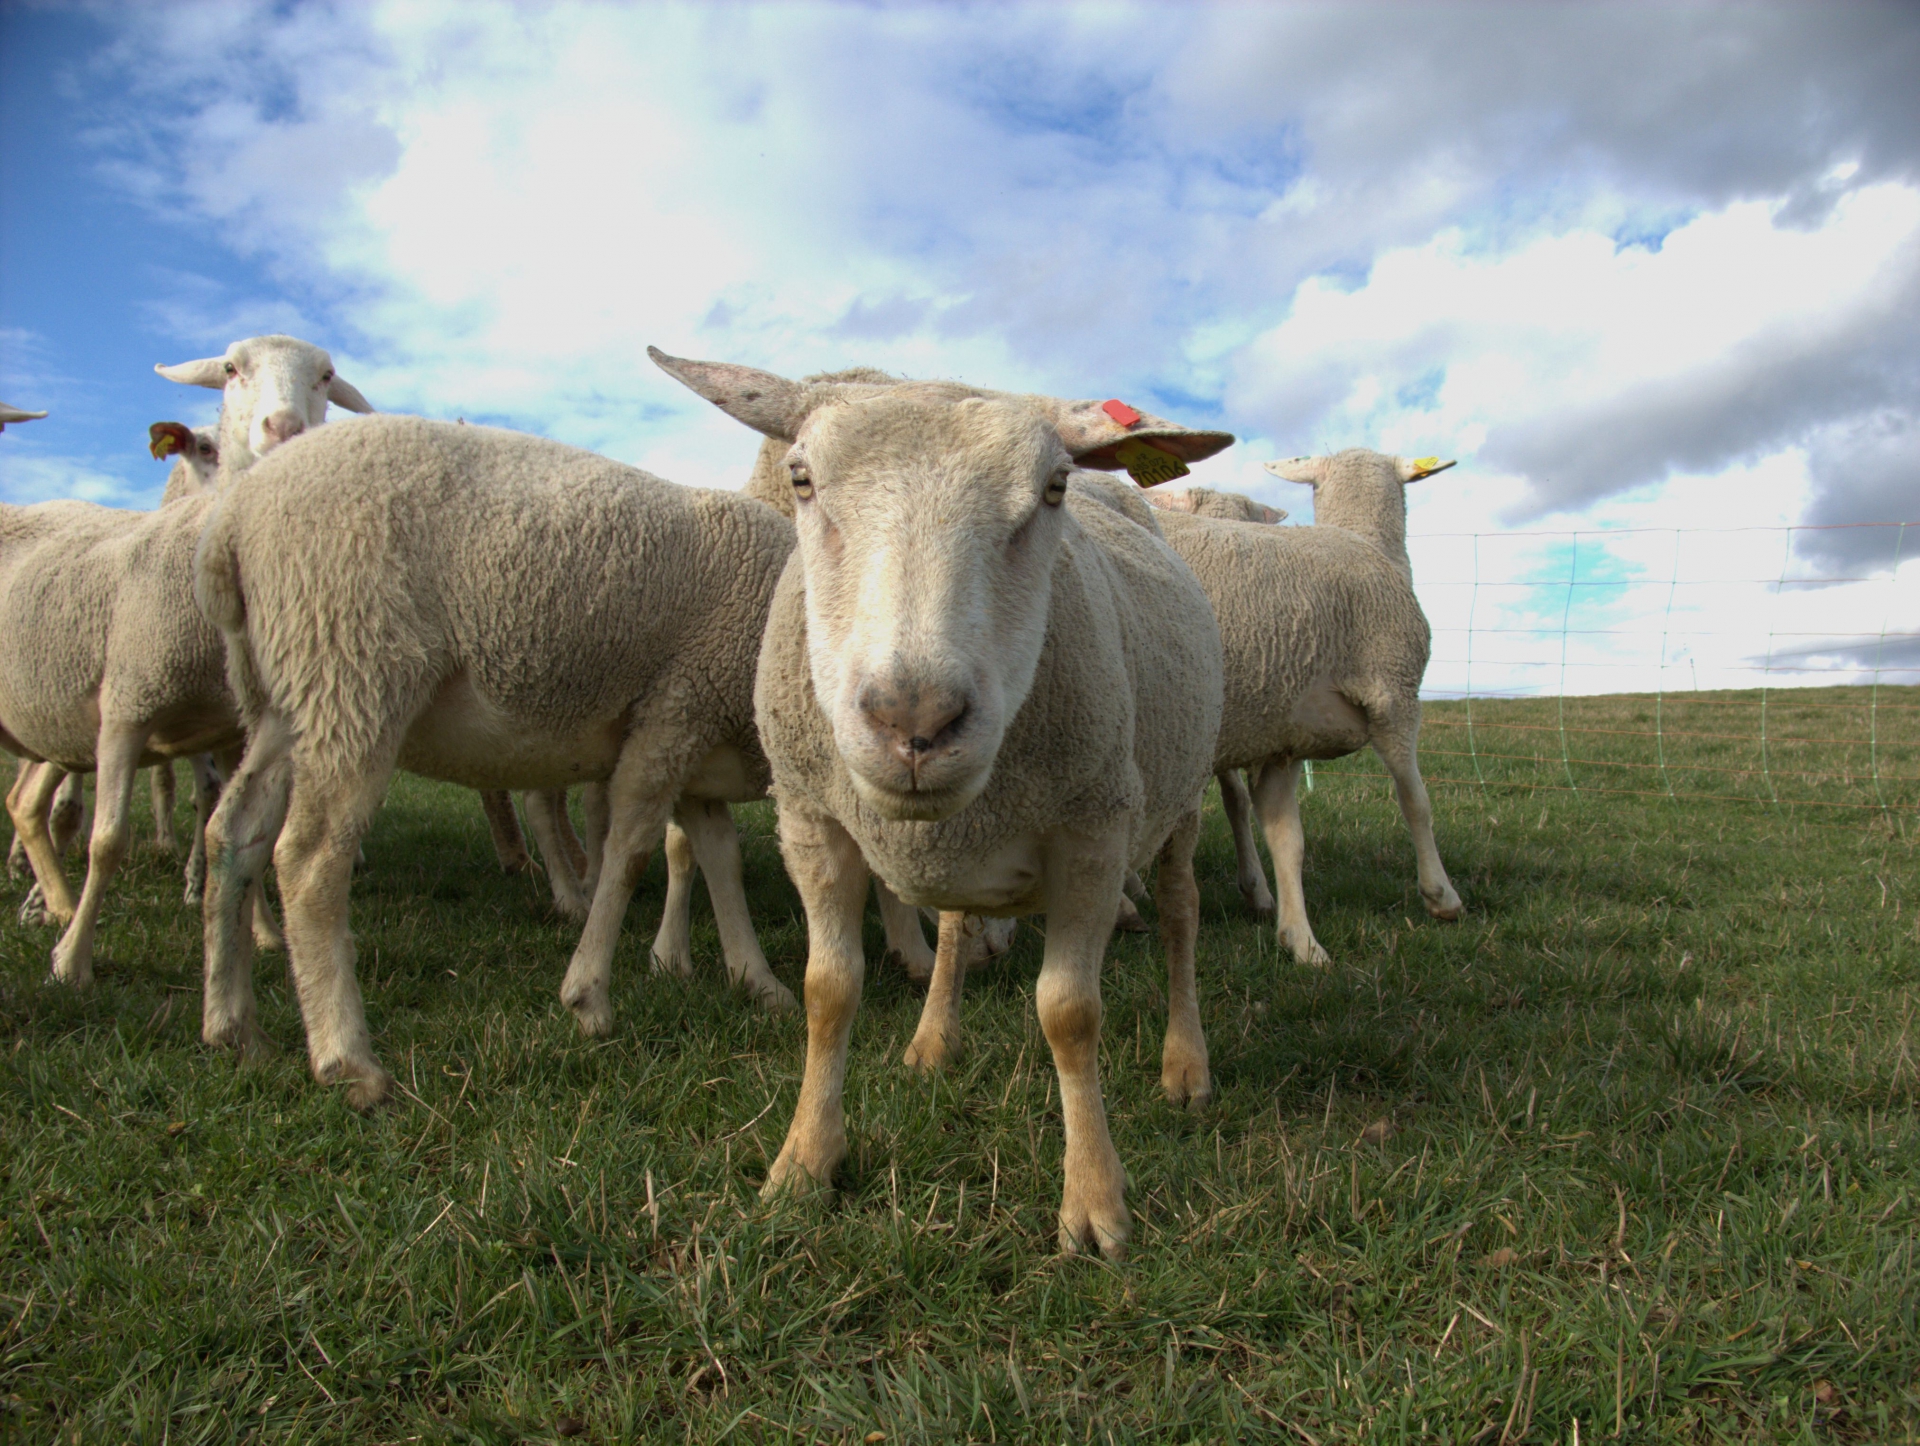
(272, 388)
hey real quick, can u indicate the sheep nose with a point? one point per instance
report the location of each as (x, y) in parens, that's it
(913, 720)
(281, 426)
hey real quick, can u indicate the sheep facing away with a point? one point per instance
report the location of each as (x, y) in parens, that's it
(1325, 648)
(993, 687)
(485, 608)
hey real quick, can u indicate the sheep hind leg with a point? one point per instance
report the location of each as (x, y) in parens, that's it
(314, 859)
(1397, 749)
(637, 812)
(17, 866)
(566, 837)
(241, 830)
(30, 804)
(593, 815)
(831, 876)
(503, 827)
(937, 1041)
(672, 951)
(206, 795)
(1237, 803)
(568, 897)
(1184, 1074)
(117, 760)
(716, 847)
(1276, 796)
(1083, 879)
(906, 942)
(68, 813)
(160, 792)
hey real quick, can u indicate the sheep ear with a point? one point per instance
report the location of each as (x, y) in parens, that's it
(769, 404)
(1412, 469)
(343, 393)
(207, 372)
(1310, 470)
(166, 438)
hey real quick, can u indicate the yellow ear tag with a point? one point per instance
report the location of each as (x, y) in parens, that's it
(1424, 465)
(1147, 464)
(164, 446)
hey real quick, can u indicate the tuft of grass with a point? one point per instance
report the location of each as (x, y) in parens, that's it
(1633, 1146)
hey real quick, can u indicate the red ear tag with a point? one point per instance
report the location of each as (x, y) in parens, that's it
(1125, 415)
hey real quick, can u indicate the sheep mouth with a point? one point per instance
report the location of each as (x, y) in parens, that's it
(906, 798)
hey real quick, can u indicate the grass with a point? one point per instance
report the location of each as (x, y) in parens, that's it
(1629, 1152)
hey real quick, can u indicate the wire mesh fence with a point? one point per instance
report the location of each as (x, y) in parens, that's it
(1773, 666)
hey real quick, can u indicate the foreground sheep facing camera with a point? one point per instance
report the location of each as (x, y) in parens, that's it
(1325, 649)
(997, 691)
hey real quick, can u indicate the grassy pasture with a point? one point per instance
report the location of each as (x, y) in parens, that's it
(1628, 1154)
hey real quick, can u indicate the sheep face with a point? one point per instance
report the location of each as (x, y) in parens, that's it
(198, 449)
(928, 532)
(272, 389)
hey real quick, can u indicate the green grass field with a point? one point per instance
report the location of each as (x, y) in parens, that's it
(1628, 1154)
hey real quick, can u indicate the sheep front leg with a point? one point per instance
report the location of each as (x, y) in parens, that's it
(938, 1041)
(1083, 879)
(160, 791)
(117, 760)
(1237, 804)
(240, 836)
(29, 804)
(326, 815)
(672, 951)
(1396, 747)
(561, 876)
(1277, 798)
(716, 848)
(832, 879)
(1183, 1060)
(68, 811)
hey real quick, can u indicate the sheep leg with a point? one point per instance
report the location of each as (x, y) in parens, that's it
(1396, 748)
(29, 803)
(637, 810)
(567, 895)
(1083, 880)
(832, 879)
(1277, 798)
(593, 808)
(672, 951)
(938, 1040)
(17, 852)
(117, 760)
(160, 787)
(1183, 1060)
(1237, 804)
(314, 859)
(240, 835)
(509, 844)
(905, 941)
(716, 848)
(206, 793)
(568, 839)
(69, 811)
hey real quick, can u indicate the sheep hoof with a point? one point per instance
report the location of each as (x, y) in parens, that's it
(920, 971)
(677, 962)
(371, 1088)
(1088, 1224)
(574, 911)
(787, 1178)
(930, 1054)
(1260, 903)
(71, 968)
(1187, 1082)
(1446, 907)
(36, 912)
(1306, 949)
(244, 1037)
(773, 996)
(1128, 920)
(595, 1017)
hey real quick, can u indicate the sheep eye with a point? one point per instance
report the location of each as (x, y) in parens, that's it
(326, 376)
(802, 482)
(1056, 489)
(232, 370)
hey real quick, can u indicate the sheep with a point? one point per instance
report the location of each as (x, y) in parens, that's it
(994, 690)
(1325, 648)
(1099, 430)
(490, 608)
(1226, 506)
(272, 389)
(14, 414)
(113, 668)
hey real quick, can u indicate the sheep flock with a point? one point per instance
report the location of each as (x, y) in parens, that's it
(984, 664)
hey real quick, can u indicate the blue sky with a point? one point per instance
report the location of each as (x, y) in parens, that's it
(1633, 265)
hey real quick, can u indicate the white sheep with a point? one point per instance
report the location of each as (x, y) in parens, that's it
(272, 388)
(1325, 649)
(996, 691)
(14, 414)
(1225, 506)
(488, 608)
